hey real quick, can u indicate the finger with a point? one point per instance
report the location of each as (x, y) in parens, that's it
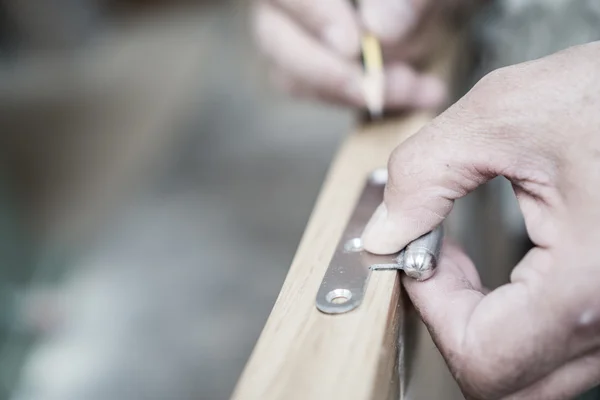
(464, 147)
(456, 282)
(407, 88)
(295, 87)
(499, 343)
(303, 58)
(426, 174)
(454, 257)
(391, 20)
(567, 382)
(332, 21)
(417, 46)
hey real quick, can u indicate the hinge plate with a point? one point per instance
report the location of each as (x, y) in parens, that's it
(345, 281)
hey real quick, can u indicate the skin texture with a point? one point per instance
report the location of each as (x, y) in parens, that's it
(313, 47)
(538, 125)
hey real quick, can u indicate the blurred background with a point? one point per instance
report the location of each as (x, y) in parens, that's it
(153, 189)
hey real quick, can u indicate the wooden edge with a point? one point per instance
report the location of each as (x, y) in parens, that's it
(304, 354)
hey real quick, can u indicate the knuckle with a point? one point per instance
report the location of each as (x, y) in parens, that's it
(395, 159)
(498, 77)
(404, 164)
(474, 376)
(485, 112)
(487, 97)
(582, 319)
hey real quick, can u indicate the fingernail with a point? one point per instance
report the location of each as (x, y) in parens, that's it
(340, 40)
(381, 235)
(432, 92)
(389, 20)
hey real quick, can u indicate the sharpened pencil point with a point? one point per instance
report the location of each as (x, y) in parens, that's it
(375, 113)
(373, 89)
(374, 79)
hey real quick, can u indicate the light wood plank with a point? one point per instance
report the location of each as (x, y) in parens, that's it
(304, 354)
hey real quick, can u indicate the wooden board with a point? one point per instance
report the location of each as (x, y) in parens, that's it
(304, 354)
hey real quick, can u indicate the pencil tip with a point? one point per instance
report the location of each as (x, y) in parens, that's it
(373, 88)
(375, 113)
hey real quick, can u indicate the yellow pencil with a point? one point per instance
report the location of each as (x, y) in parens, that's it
(374, 79)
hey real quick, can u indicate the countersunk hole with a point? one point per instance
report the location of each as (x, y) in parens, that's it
(339, 296)
(353, 245)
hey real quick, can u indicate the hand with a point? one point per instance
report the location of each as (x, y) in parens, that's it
(537, 124)
(313, 47)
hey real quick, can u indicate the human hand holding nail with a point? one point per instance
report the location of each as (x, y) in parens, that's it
(538, 125)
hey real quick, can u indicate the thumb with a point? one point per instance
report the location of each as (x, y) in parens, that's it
(444, 161)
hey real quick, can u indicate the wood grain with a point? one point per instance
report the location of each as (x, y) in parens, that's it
(304, 354)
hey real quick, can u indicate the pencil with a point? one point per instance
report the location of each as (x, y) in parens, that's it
(374, 77)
